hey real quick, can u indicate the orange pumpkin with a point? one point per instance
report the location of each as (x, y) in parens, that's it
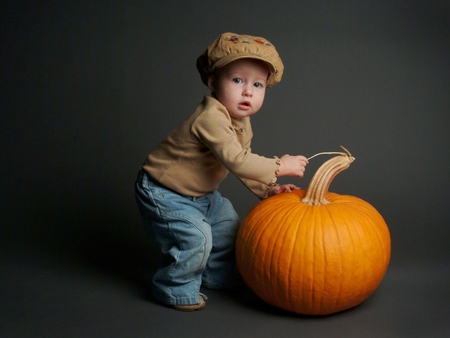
(314, 252)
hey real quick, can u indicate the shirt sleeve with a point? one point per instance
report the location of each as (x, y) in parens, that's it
(261, 190)
(215, 129)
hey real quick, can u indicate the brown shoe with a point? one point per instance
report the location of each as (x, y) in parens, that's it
(191, 307)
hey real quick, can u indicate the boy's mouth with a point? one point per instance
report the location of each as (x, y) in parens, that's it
(245, 105)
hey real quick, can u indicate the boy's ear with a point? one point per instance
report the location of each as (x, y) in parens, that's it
(212, 83)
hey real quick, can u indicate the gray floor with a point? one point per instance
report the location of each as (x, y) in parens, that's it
(100, 288)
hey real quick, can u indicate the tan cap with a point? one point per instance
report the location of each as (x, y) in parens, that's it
(230, 47)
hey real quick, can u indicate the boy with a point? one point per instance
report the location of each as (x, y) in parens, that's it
(176, 190)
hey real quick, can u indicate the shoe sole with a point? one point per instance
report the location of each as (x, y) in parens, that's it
(190, 308)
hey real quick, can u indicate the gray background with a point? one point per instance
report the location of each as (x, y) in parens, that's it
(90, 87)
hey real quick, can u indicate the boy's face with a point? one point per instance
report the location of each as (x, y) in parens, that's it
(240, 86)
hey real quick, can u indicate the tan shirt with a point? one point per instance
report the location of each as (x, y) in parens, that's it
(197, 156)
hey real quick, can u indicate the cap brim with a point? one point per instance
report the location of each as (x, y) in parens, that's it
(230, 58)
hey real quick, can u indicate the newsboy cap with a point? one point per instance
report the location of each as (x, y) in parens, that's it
(230, 47)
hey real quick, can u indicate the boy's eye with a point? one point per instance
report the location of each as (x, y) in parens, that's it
(258, 85)
(237, 80)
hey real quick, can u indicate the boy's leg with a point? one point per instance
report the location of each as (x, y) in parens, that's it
(177, 225)
(224, 226)
(185, 247)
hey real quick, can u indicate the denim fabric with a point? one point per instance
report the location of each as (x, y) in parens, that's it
(196, 236)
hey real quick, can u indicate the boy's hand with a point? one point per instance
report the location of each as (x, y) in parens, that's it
(292, 165)
(278, 189)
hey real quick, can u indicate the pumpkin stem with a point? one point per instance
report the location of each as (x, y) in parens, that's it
(327, 153)
(315, 195)
(331, 153)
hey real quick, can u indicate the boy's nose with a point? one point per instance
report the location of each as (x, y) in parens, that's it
(247, 91)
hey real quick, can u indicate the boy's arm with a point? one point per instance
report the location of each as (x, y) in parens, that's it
(263, 191)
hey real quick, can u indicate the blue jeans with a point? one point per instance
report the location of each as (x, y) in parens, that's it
(196, 236)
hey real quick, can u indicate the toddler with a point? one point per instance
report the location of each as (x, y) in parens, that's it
(176, 190)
